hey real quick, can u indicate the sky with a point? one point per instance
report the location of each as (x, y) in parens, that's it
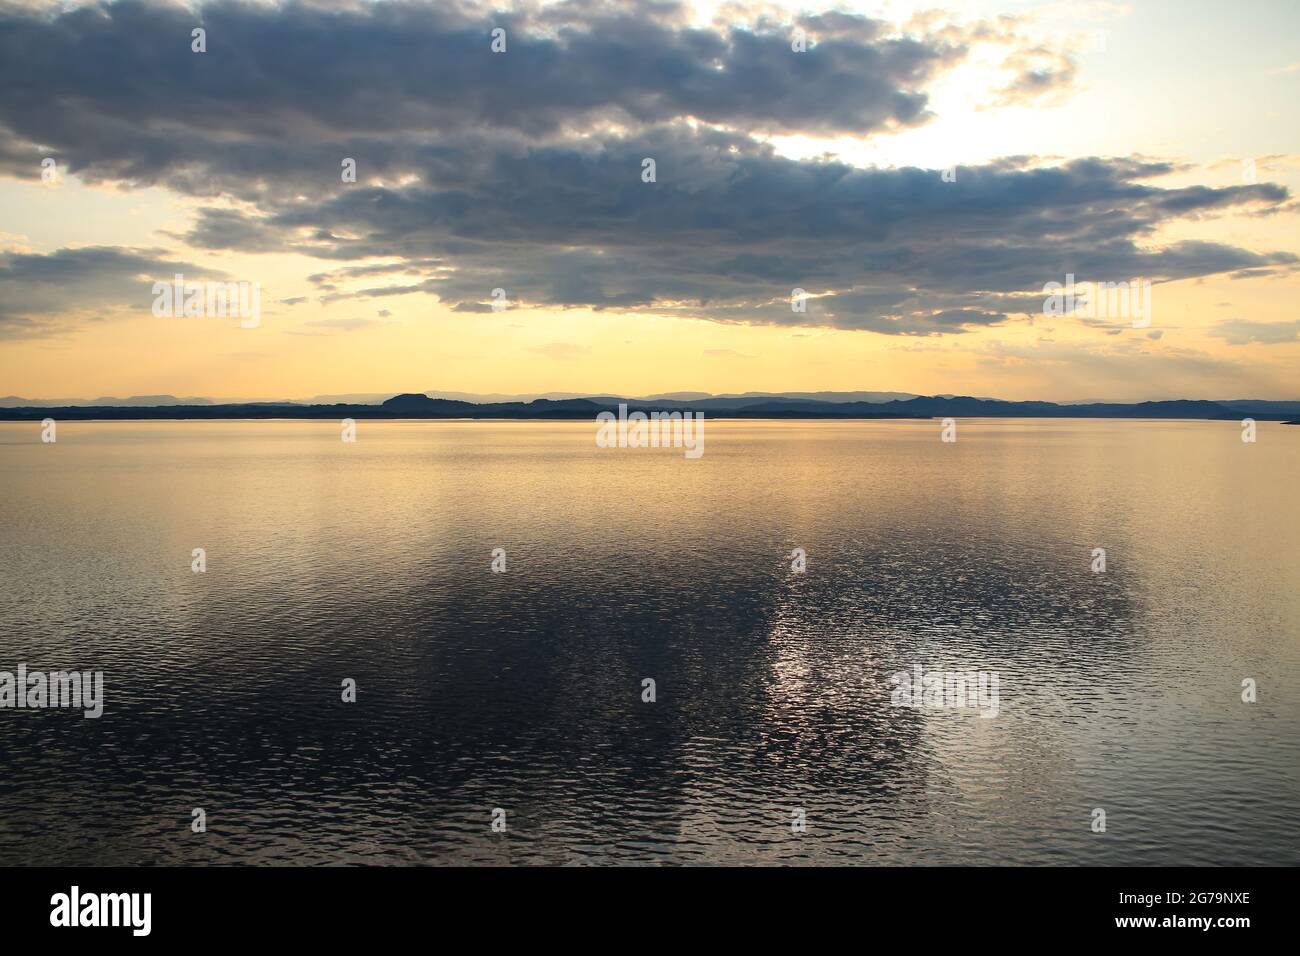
(920, 171)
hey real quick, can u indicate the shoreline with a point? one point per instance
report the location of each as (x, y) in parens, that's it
(5, 418)
(419, 407)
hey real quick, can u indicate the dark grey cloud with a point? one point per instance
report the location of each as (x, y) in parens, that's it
(522, 170)
(39, 291)
(114, 91)
(730, 229)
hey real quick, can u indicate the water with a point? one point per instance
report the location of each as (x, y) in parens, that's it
(522, 690)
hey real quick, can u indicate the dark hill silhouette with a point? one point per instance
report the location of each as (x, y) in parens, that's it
(420, 404)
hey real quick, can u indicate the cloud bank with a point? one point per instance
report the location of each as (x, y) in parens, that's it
(524, 170)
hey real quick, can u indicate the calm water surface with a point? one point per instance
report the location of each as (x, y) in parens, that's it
(523, 690)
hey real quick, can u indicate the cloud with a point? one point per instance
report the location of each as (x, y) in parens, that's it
(1041, 74)
(378, 81)
(1246, 332)
(41, 294)
(1130, 369)
(730, 229)
(522, 170)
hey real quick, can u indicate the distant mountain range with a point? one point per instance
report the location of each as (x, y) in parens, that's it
(376, 398)
(13, 401)
(561, 405)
